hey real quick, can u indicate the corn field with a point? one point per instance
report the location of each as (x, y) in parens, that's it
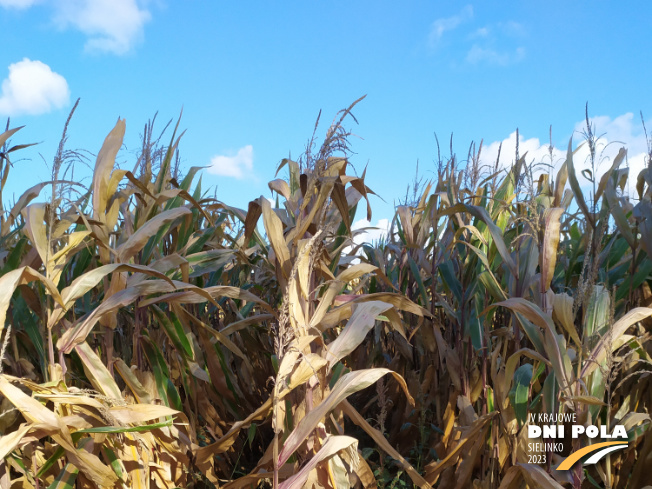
(155, 337)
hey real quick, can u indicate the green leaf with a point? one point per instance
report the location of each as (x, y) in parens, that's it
(174, 332)
(519, 393)
(66, 478)
(251, 433)
(126, 429)
(166, 388)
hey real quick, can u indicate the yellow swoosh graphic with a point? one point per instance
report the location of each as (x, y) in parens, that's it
(572, 459)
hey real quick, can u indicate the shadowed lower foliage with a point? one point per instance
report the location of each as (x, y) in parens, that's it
(154, 336)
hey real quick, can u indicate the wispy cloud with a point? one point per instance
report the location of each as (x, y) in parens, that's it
(480, 33)
(496, 44)
(111, 26)
(17, 4)
(239, 165)
(499, 30)
(32, 88)
(478, 54)
(514, 29)
(444, 24)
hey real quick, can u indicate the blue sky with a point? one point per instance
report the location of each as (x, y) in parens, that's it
(252, 76)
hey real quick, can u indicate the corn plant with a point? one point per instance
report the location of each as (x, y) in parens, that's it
(154, 336)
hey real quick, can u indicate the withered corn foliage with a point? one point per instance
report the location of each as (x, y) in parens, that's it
(154, 336)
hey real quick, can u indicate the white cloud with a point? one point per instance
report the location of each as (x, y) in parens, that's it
(238, 166)
(478, 54)
(368, 233)
(112, 26)
(493, 44)
(489, 44)
(514, 29)
(536, 151)
(32, 88)
(613, 134)
(440, 26)
(17, 4)
(482, 32)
